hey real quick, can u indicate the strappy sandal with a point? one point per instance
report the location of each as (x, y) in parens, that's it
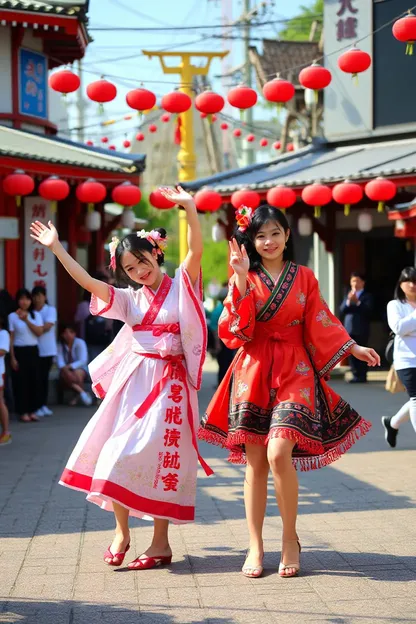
(252, 571)
(119, 556)
(147, 563)
(286, 566)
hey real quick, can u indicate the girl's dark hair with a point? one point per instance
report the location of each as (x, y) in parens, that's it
(407, 275)
(137, 246)
(3, 322)
(263, 215)
(39, 290)
(24, 292)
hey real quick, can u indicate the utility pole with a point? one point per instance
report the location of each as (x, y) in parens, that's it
(248, 113)
(186, 156)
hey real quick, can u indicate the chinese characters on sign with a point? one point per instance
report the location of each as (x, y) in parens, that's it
(33, 84)
(170, 459)
(348, 20)
(39, 262)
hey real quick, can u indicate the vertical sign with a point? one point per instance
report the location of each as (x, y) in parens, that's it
(348, 106)
(40, 269)
(33, 95)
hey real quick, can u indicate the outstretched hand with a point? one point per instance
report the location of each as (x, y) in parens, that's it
(45, 235)
(239, 260)
(366, 354)
(177, 196)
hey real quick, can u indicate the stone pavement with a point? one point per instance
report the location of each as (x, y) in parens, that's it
(357, 525)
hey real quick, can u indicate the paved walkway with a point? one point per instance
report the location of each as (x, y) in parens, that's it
(357, 525)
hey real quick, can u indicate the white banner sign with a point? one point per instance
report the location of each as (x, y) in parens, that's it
(40, 263)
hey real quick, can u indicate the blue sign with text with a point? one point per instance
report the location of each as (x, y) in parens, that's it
(33, 90)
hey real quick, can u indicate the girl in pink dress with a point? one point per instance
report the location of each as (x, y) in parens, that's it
(138, 455)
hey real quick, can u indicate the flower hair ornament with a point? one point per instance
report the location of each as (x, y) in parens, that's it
(244, 217)
(112, 247)
(155, 239)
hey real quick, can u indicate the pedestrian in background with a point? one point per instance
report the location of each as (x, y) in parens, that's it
(356, 311)
(47, 346)
(25, 326)
(223, 354)
(73, 364)
(401, 316)
(5, 435)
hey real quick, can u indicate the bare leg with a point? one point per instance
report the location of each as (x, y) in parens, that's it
(279, 454)
(160, 546)
(122, 537)
(4, 414)
(255, 500)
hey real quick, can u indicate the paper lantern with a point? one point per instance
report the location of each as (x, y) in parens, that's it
(305, 227)
(101, 91)
(112, 148)
(104, 139)
(380, 190)
(126, 194)
(126, 143)
(264, 142)
(365, 222)
(18, 184)
(207, 200)
(89, 143)
(140, 136)
(54, 189)
(159, 201)
(242, 97)
(405, 30)
(281, 197)
(64, 81)
(315, 77)
(279, 91)
(224, 126)
(152, 128)
(347, 193)
(317, 195)
(245, 197)
(176, 102)
(91, 192)
(93, 221)
(290, 147)
(209, 102)
(354, 61)
(203, 115)
(250, 138)
(277, 145)
(165, 118)
(218, 233)
(237, 133)
(141, 99)
(128, 219)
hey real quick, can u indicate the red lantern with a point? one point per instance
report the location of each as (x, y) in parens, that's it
(101, 91)
(104, 140)
(277, 145)
(159, 201)
(126, 194)
(64, 81)
(354, 61)
(209, 102)
(18, 184)
(141, 99)
(89, 143)
(207, 200)
(264, 142)
(203, 115)
(91, 192)
(246, 197)
(315, 77)
(126, 143)
(165, 118)
(250, 138)
(317, 195)
(176, 102)
(347, 193)
(380, 190)
(152, 128)
(214, 118)
(242, 97)
(279, 91)
(224, 126)
(405, 30)
(290, 147)
(140, 136)
(281, 197)
(54, 189)
(237, 132)
(112, 148)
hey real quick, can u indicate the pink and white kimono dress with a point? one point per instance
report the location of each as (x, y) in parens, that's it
(140, 448)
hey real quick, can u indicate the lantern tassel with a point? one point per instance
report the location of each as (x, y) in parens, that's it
(101, 108)
(18, 200)
(54, 206)
(241, 114)
(209, 117)
(90, 207)
(380, 207)
(355, 79)
(347, 209)
(178, 133)
(410, 48)
(317, 212)
(316, 96)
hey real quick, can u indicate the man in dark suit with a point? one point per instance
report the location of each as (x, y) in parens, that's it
(356, 311)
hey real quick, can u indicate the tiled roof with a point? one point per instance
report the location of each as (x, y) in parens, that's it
(28, 145)
(279, 56)
(321, 161)
(76, 8)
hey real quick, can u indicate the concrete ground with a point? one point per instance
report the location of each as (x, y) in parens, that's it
(357, 525)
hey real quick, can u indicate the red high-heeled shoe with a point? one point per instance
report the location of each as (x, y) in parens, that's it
(119, 556)
(147, 563)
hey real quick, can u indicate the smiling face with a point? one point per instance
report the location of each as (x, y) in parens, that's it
(270, 240)
(141, 269)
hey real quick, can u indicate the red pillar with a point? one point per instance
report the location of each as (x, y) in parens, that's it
(13, 249)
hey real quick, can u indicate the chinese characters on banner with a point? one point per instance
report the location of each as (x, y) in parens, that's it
(39, 261)
(33, 91)
(348, 20)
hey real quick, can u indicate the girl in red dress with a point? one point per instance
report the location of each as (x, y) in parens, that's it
(273, 409)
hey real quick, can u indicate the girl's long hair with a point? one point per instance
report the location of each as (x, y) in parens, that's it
(24, 292)
(135, 245)
(261, 216)
(407, 275)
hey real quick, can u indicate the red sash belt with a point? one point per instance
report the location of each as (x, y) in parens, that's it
(174, 369)
(158, 330)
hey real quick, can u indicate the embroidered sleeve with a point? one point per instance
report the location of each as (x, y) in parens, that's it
(325, 337)
(237, 321)
(118, 306)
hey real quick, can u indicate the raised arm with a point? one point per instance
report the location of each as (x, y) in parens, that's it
(192, 261)
(48, 236)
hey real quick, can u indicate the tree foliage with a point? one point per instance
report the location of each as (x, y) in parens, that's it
(299, 28)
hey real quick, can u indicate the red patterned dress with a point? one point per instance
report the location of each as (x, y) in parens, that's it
(289, 341)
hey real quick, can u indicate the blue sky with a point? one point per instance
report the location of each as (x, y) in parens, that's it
(103, 55)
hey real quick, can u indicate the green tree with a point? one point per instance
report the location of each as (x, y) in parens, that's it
(299, 28)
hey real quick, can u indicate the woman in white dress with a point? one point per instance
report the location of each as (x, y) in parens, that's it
(138, 454)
